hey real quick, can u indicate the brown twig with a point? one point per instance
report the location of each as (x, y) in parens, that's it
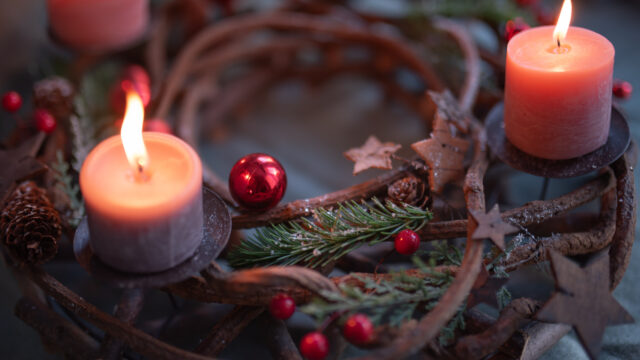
(58, 332)
(512, 318)
(227, 329)
(278, 339)
(126, 311)
(136, 339)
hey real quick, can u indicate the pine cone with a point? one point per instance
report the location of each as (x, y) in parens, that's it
(29, 225)
(409, 190)
(54, 94)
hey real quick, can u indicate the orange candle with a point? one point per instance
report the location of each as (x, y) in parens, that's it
(143, 196)
(98, 25)
(558, 90)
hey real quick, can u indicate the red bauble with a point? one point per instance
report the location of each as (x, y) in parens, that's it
(545, 17)
(622, 89)
(156, 125)
(314, 346)
(282, 306)
(407, 242)
(513, 27)
(358, 329)
(11, 101)
(527, 2)
(257, 182)
(45, 122)
(133, 78)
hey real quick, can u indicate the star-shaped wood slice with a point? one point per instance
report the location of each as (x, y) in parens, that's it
(484, 290)
(583, 300)
(373, 154)
(449, 110)
(491, 226)
(18, 164)
(443, 153)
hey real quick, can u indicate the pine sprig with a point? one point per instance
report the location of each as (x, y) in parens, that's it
(328, 235)
(67, 185)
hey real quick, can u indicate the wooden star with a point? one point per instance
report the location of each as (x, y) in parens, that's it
(491, 226)
(443, 153)
(18, 164)
(373, 154)
(449, 110)
(484, 290)
(583, 300)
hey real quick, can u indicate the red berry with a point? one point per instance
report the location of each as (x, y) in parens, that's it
(622, 89)
(11, 101)
(513, 27)
(314, 346)
(282, 306)
(156, 125)
(407, 242)
(45, 122)
(358, 329)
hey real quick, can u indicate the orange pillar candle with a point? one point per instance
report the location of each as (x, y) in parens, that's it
(143, 196)
(558, 90)
(98, 25)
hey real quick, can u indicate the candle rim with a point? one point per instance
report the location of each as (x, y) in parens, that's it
(584, 66)
(117, 209)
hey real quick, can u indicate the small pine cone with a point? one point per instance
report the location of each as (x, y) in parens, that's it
(410, 190)
(54, 94)
(30, 226)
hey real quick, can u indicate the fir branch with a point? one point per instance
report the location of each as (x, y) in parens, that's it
(504, 297)
(386, 301)
(328, 235)
(65, 182)
(444, 253)
(82, 139)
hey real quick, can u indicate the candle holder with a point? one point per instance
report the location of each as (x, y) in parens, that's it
(617, 142)
(216, 231)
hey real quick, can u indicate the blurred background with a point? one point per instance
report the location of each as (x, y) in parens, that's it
(308, 132)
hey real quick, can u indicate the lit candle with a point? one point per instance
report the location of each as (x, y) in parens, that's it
(143, 196)
(558, 90)
(98, 25)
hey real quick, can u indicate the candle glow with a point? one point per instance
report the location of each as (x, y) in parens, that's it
(131, 133)
(562, 26)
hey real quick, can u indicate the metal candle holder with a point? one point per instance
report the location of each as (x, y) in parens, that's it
(216, 231)
(617, 143)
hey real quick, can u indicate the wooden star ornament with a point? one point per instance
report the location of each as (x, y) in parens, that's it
(491, 226)
(484, 290)
(443, 153)
(18, 164)
(583, 300)
(373, 154)
(449, 110)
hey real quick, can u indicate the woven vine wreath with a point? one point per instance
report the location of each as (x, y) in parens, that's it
(195, 77)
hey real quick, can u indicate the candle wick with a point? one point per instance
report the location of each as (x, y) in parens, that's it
(558, 40)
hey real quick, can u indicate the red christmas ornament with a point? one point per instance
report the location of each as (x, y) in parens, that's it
(133, 77)
(282, 306)
(544, 17)
(314, 346)
(45, 122)
(512, 27)
(257, 182)
(407, 242)
(156, 125)
(622, 89)
(11, 101)
(358, 329)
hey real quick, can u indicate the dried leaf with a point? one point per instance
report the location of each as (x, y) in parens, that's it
(19, 164)
(373, 154)
(443, 153)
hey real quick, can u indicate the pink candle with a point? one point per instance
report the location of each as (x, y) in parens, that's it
(558, 90)
(98, 25)
(143, 197)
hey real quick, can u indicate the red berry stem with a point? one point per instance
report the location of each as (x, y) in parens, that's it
(335, 316)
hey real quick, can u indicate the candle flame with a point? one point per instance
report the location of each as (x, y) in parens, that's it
(131, 133)
(560, 32)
